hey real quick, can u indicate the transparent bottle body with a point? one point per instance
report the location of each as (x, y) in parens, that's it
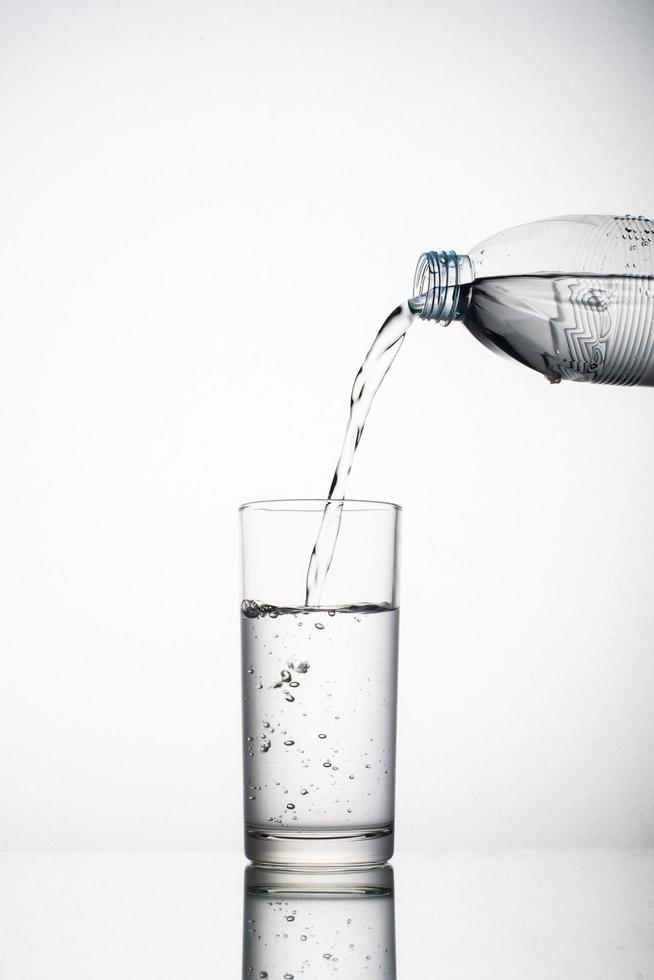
(570, 297)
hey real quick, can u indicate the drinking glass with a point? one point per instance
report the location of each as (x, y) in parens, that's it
(319, 685)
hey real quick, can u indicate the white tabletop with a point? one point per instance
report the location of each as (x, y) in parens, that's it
(533, 915)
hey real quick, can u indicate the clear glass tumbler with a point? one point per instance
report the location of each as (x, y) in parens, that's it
(319, 686)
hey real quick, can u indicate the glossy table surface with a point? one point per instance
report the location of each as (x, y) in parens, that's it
(541, 915)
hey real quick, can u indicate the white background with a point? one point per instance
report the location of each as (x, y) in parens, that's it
(207, 210)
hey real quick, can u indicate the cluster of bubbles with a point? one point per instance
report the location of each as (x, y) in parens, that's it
(253, 610)
(286, 677)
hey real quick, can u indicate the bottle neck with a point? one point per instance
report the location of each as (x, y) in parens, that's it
(437, 285)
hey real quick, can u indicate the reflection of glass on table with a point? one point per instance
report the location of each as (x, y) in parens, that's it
(336, 924)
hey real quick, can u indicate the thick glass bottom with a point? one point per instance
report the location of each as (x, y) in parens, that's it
(340, 848)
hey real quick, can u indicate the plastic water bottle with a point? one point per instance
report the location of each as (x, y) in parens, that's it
(571, 297)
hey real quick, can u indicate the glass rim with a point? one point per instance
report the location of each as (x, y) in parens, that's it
(317, 504)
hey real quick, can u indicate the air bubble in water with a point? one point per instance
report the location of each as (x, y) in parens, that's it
(286, 676)
(265, 746)
(304, 792)
(290, 806)
(289, 697)
(290, 918)
(294, 684)
(250, 608)
(303, 939)
(327, 765)
(319, 626)
(289, 742)
(331, 612)
(322, 736)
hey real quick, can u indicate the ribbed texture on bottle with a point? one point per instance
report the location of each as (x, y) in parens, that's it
(437, 285)
(611, 340)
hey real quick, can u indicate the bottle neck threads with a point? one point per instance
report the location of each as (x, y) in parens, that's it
(437, 285)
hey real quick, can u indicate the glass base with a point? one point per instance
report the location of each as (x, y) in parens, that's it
(344, 848)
